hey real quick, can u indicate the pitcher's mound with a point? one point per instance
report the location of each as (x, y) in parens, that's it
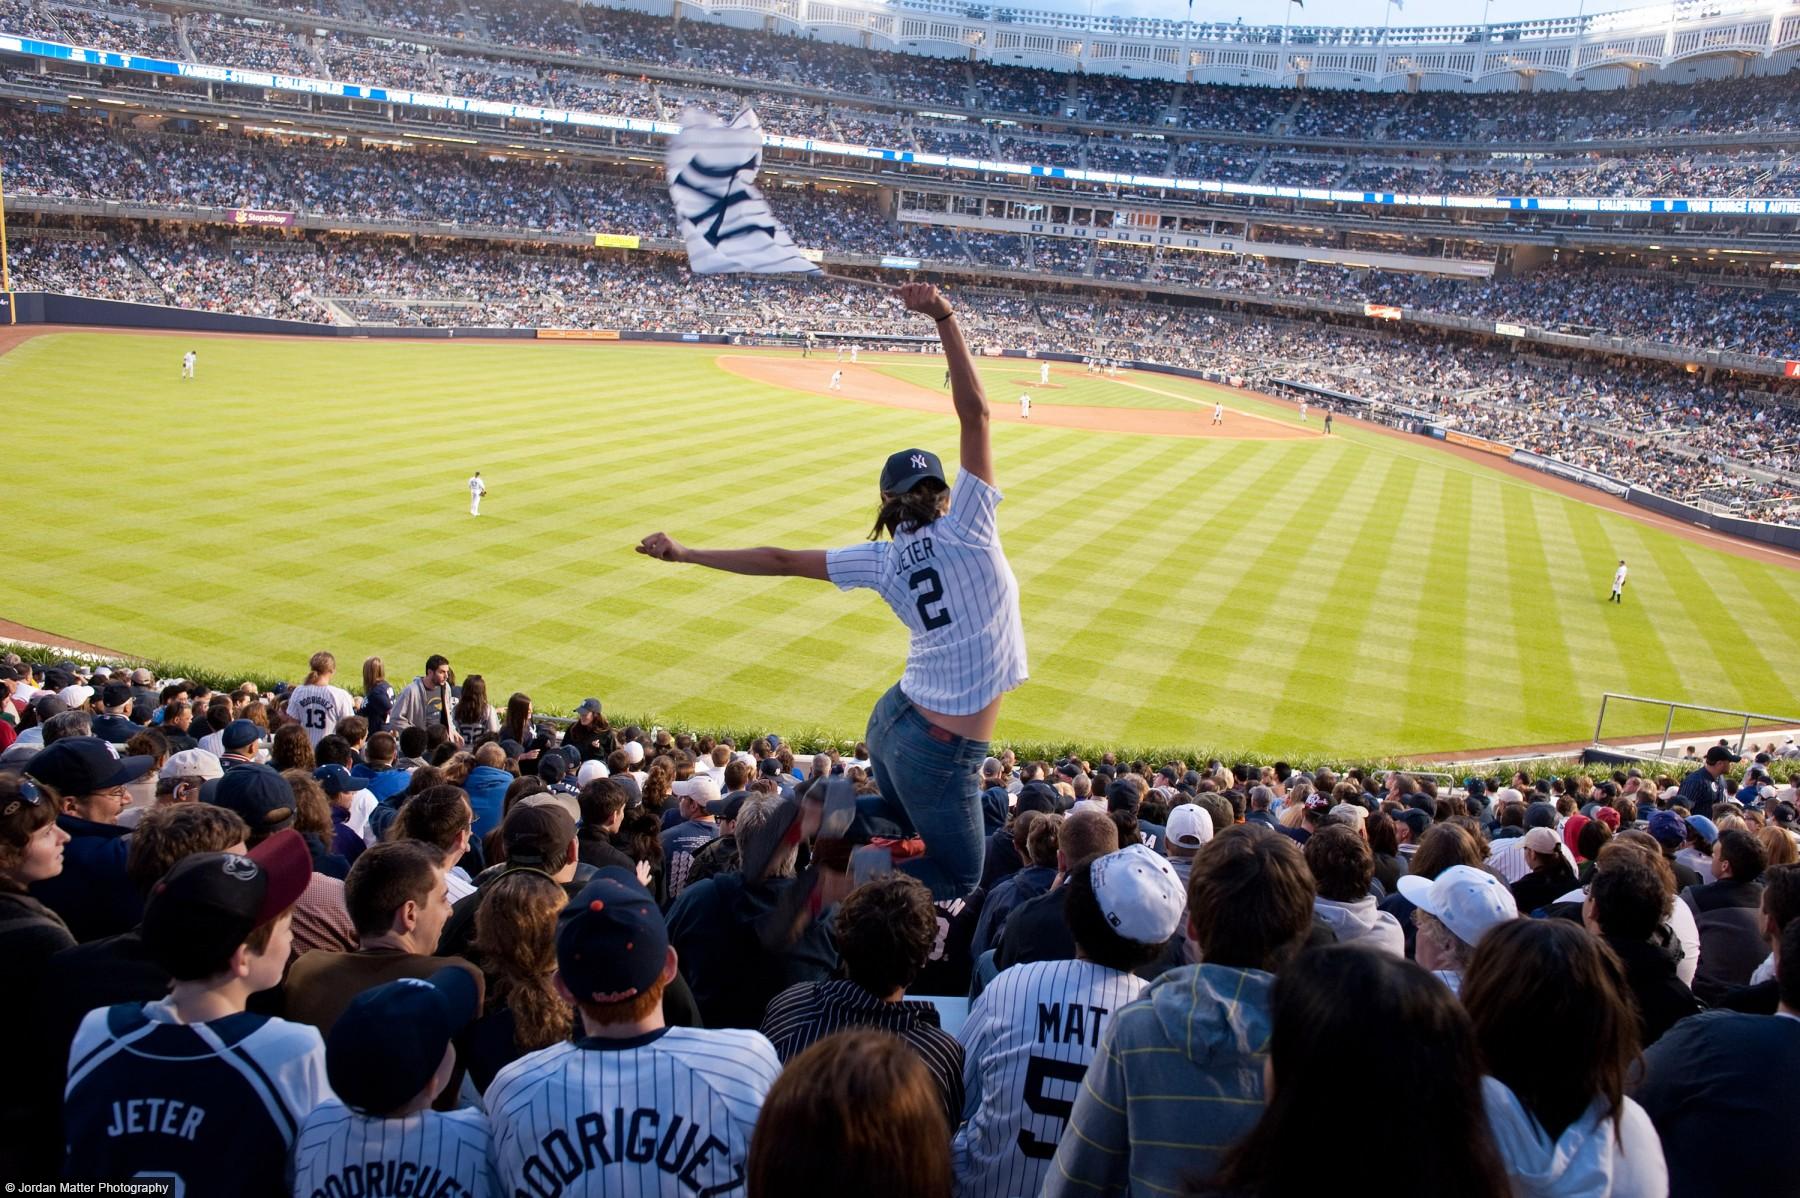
(869, 386)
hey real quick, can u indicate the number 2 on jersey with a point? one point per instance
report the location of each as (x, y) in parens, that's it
(931, 591)
(1038, 1072)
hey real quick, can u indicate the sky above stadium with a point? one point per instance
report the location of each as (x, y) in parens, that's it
(1343, 12)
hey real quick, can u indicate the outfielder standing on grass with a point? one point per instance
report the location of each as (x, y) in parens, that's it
(946, 577)
(1618, 587)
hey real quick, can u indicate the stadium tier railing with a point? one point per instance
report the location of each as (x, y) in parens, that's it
(1744, 719)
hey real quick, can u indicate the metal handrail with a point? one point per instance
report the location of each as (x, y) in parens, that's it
(1669, 725)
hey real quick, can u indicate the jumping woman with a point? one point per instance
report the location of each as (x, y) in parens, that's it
(945, 576)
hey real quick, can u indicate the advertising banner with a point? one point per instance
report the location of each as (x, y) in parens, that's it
(1381, 311)
(1481, 443)
(1509, 330)
(1791, 369)
(893, 263)
(260, 219)
(578, 334)
(617, 241)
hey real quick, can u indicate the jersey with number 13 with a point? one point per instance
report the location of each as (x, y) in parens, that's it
(950, 584)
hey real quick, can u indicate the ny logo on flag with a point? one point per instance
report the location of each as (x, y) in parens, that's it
(727, 196)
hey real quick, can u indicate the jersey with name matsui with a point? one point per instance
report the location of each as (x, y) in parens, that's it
(216, 1105)
(666, 1113)
(950, 584)
(1026, 1047)
(429, 1154)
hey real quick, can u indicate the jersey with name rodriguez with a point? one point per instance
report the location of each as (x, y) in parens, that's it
(429, 1154)
(667, 1112)
(950, 584)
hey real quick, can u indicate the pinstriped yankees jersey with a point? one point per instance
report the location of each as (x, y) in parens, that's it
(666, 1113)
(1026, 1047)
(950, 584)
(430, 1154)
(213, 1107)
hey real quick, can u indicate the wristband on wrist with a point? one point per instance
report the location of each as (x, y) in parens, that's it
(944, 317)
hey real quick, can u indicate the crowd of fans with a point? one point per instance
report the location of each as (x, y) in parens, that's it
(418, 933)
(61, 156)
(913, 81)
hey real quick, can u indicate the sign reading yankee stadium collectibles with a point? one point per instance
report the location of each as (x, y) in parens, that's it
(262, 218)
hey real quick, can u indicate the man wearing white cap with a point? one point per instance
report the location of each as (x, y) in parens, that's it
(681, 842)
(1190, 826)
(1455, 909)
(179, 781)
(1032, 1033)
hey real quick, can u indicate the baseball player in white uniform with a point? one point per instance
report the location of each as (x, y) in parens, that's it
(837, 380)
(188, 361)
(854, 350)
(633, 1106)
(1218, 413)
(1031, 1034)
(946, 577)
(477, 489)
(1025, 406)
(388, 1056)
(1303, 411)
(1618, 590)
(1043, 372)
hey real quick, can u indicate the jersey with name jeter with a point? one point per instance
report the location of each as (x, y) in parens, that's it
(1026, 1047)
(950, 584)
(670, 1112)
(216, 1105)
(429, 1154)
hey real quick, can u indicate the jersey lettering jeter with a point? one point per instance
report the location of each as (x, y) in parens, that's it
(950, 584)
(431, 1154)
(667, 1113)
(213, 1107)
(1026, 1047)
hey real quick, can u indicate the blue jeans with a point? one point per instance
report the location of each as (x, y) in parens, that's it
(930, 786)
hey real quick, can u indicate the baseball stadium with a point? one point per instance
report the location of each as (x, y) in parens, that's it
(1329, 484)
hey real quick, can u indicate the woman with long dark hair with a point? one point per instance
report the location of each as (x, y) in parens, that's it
(516, 727)
(945, 576)
(1345, 1020)
(473, 717)
(378, 695)
(1557, 1034)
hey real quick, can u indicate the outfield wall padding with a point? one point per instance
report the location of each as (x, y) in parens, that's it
(1784, 535)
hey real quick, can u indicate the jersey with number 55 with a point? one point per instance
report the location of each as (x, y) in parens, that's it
(950, 584)
(1026, 1047)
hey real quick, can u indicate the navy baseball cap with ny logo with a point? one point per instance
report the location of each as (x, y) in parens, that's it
(908, 468)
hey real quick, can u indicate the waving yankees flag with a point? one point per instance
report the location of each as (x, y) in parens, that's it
(724, 219)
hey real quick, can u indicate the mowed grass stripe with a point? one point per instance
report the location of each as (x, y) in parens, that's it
(1248, 607)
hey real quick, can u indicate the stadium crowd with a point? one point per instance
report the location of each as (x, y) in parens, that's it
(908, 83)
(65, 157)
(423, 940)
(1721, 107)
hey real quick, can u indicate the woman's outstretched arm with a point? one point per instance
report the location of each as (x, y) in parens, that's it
(965, 385)
(796, 563)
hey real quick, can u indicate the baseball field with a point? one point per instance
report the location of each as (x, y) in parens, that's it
(1257, 586)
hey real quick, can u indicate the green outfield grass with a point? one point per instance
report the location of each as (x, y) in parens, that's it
(1005, 380)
(1363, 594)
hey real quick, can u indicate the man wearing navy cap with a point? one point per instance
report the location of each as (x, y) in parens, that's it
(194, 1088)
(389, 1054)
(93, 894)
(1705, 786)
(633, 1107)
